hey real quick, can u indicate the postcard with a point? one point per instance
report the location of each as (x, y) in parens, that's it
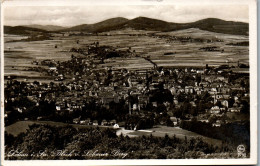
(144, 82)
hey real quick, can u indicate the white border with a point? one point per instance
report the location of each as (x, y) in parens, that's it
(253, 83)
(122, 2)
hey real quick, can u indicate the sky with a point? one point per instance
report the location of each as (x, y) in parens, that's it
(76, 15)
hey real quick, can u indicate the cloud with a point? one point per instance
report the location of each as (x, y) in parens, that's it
(75, 15)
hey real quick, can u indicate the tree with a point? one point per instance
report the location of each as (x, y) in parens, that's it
(38, 138)
(218, 103)
(205, 96)
(212, 119)
(9, 139)
(245, 108)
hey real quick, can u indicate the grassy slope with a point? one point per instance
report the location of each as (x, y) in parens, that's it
(158, 131)
(22, 126)
(161, 131)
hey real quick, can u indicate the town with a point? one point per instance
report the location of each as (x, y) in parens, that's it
(84, 93)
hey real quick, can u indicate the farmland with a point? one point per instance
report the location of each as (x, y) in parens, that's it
(20, 54)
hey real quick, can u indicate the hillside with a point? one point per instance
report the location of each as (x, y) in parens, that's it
(46, 27)
(204, 34)
(143, 23)
(102, 26)
(221, 26)
(22, 30)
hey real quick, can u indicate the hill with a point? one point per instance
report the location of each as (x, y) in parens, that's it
(221, 26)
(22, 30)
(46, 27)
(144, 23)
(102, 26)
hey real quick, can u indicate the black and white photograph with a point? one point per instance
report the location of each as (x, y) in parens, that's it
(126, 82)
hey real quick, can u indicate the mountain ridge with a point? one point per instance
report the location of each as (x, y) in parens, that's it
(145, 23)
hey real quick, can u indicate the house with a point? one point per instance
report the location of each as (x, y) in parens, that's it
(215, 110)
(209, 78)
(204, 84)
(216, 97)
(113, 122)
(193, 104)
(204, 120)
(20, 110)
(175, 101)
(82, 122)
(174, 120)
(200, 71)
(95, 123)
(188, 89)
(116, 126)
(76, 120)
(39, 118)
(58, 108)
(104, 122)
(217, 124)
(93, 93)
(135, 107)
(53, 68)
(143, 99)
(154, 104)
(220, 78)
(173, 90)
(234, 109)
(224, 103)
(226, 96)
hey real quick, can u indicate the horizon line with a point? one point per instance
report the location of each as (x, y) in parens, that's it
(127, 19)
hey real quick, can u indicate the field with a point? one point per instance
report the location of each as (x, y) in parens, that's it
(161, 131)
(23, 126)
(19, 55)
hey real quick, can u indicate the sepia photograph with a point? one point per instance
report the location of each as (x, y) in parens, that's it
(129, 82)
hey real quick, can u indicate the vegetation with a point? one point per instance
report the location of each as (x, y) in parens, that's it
(47, 111)
(245, 43)
(22, 30)
(48, 142)
(233, 133)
